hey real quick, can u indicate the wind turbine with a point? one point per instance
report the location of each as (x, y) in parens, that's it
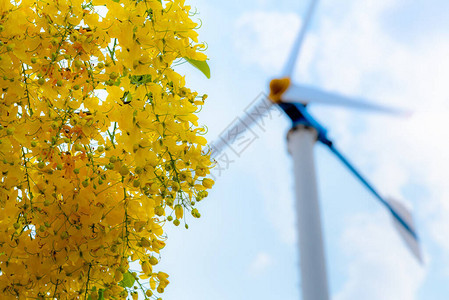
(292, 99)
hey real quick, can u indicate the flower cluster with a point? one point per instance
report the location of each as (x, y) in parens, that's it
(99, 145)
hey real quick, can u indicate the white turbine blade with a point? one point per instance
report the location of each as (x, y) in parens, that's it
(290, 64)
(255, 113)
(305, 94)
(410, 240)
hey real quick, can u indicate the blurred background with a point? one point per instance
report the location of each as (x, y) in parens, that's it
(244, 246)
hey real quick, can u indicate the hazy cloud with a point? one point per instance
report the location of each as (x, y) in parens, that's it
(261, 262)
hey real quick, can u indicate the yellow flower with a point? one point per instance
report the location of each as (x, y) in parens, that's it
(179, 211)
(98, 137)
(208, 183)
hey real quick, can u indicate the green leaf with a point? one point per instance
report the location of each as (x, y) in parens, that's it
(200, 65)
(140, 79)
(100, 294)
(128, 280)
(118, 81)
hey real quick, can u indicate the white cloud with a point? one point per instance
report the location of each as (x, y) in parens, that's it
(416, 149)
(265, 39)
(261, 262)
(420, 153)
(379, 266)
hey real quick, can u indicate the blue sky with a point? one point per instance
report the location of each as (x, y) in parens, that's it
(244, 245)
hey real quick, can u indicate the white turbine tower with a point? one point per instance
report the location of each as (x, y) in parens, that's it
(292, 99)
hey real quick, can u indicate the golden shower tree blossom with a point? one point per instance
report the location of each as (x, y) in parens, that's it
(99, 144)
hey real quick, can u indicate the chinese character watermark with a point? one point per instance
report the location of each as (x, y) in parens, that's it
(241, 133)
